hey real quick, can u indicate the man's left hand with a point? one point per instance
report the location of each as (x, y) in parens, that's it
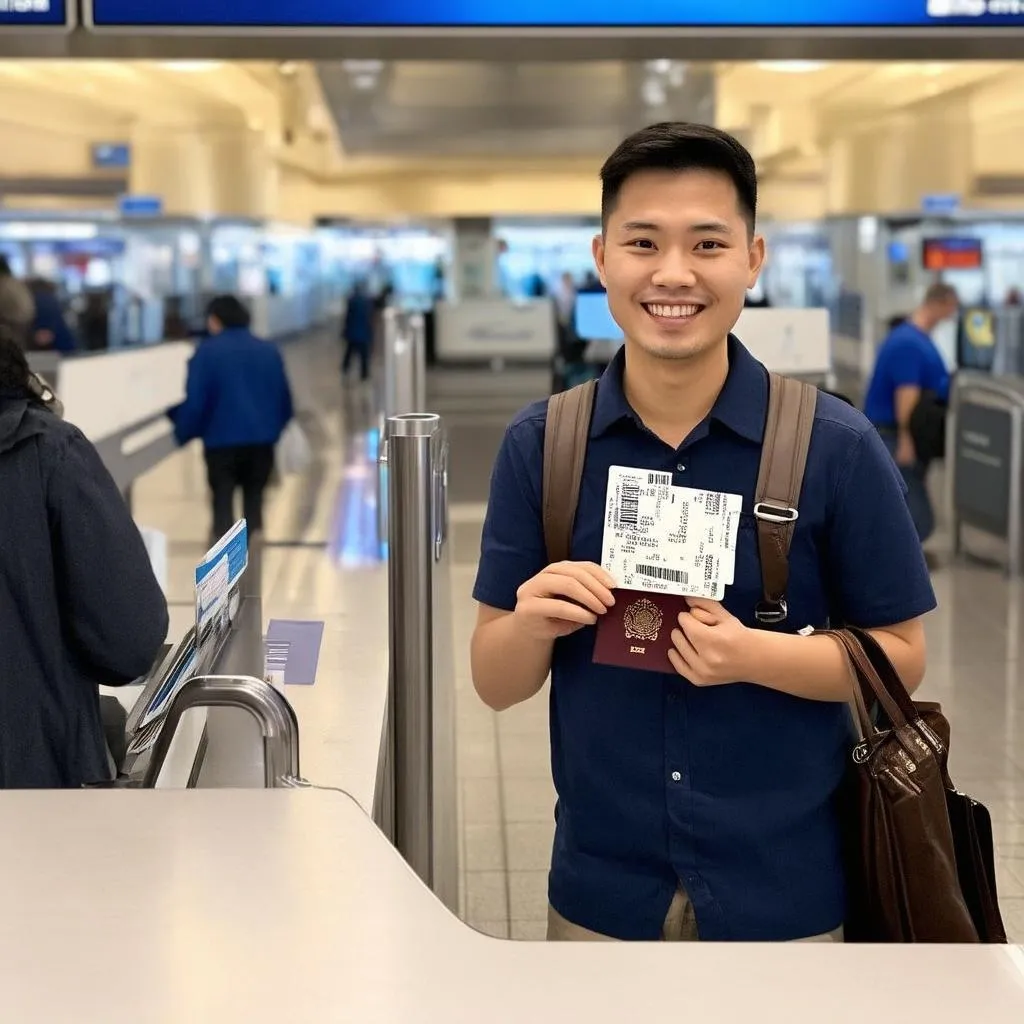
(712, 646)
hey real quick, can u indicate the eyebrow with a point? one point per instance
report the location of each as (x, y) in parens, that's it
(713, 227)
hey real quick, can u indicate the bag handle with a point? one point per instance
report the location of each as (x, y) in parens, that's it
(885, 672)
(787, 438)
(565, 450)
(868, 681)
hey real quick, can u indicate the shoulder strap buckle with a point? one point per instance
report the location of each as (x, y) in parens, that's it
(772, 513)
(771, 613)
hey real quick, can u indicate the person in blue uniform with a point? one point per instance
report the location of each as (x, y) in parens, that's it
(698, 803)
(80, 606)
(909, 367)
(238, 402)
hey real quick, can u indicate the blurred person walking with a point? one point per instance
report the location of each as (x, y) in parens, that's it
(50, 331)
(238, 402)
(357, 331)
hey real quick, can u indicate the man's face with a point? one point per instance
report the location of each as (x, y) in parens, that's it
(677, 259)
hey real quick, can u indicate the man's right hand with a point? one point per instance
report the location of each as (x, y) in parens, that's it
(563, 598)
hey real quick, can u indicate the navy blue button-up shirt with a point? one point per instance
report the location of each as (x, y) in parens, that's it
(728, 791)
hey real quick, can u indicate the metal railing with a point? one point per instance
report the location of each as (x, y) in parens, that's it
(402, 391)
(274, 715)
(405, 363)
(415, 803)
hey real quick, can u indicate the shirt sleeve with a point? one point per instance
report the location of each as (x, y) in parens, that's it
(907, 365)
(512, 549)
(114, 611)
(876, 566)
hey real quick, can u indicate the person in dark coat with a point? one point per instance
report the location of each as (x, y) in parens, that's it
(357, 331)
(50, 331)
(238, 402)
(80, 606)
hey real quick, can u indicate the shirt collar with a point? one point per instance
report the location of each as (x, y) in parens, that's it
(742, 404)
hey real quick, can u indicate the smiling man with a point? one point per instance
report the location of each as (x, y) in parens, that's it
(698, 803)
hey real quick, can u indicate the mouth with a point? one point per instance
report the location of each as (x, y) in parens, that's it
(677, 313)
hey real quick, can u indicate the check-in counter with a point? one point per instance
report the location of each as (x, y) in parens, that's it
(285, 905)
(119, 400)
(488, 330)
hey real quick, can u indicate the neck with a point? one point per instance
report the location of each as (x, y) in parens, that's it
(671, 396)
(923, 319)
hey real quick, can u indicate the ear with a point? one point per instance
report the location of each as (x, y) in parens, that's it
(597, 249)
(757, 257)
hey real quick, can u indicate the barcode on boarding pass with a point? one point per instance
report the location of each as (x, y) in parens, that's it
(659, 572)
(659, 479)
(628, 513)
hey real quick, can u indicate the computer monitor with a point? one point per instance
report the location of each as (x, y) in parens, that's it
(592, 318)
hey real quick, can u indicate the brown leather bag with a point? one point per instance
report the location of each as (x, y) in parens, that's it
(791, 405)
(920, 863)
(920, 856)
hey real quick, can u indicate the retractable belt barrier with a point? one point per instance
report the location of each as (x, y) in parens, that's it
(985, 453)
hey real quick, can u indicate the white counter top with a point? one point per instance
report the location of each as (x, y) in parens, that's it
(230, 906)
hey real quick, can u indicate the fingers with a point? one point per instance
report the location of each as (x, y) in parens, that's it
(564, 611)
(583, 582)
(682, 656)
(701, 615)
(713, 608)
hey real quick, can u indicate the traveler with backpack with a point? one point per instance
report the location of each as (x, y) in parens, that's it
(698, 743)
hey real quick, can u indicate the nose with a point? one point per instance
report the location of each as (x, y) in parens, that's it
(675, 269)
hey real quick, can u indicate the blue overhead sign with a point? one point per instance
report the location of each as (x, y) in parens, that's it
(807, 14)
(140, 206)
(36, 13)
(110, 155)
(941, 204)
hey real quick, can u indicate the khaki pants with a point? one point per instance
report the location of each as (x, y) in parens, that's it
(680, 926)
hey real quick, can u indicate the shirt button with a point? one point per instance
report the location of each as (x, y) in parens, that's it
(681, 468)
(677, 776)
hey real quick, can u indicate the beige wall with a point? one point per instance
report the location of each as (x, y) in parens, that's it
(858, 139)
(444, 190)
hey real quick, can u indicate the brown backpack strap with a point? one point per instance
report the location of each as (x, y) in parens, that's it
(565, 449)
(787, 436)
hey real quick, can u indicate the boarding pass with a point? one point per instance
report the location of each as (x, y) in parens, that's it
(673, 540)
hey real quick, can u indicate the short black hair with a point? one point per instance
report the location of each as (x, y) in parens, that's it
(229, 311)
(680, 146)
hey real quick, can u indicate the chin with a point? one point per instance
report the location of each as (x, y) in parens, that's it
(675, 348)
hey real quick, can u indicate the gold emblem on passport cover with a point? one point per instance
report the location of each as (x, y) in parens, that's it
(642, 620)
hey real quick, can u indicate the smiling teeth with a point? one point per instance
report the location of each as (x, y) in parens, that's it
(675, 312)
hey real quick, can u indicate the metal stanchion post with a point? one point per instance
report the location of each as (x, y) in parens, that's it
(418, 359)
(412, 447)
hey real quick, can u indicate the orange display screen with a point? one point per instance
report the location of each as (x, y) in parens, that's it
(952, 254)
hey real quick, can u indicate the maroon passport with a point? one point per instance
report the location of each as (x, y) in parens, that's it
(637, 631)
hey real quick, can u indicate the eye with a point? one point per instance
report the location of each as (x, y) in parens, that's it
(709, 245)
(641, 243)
